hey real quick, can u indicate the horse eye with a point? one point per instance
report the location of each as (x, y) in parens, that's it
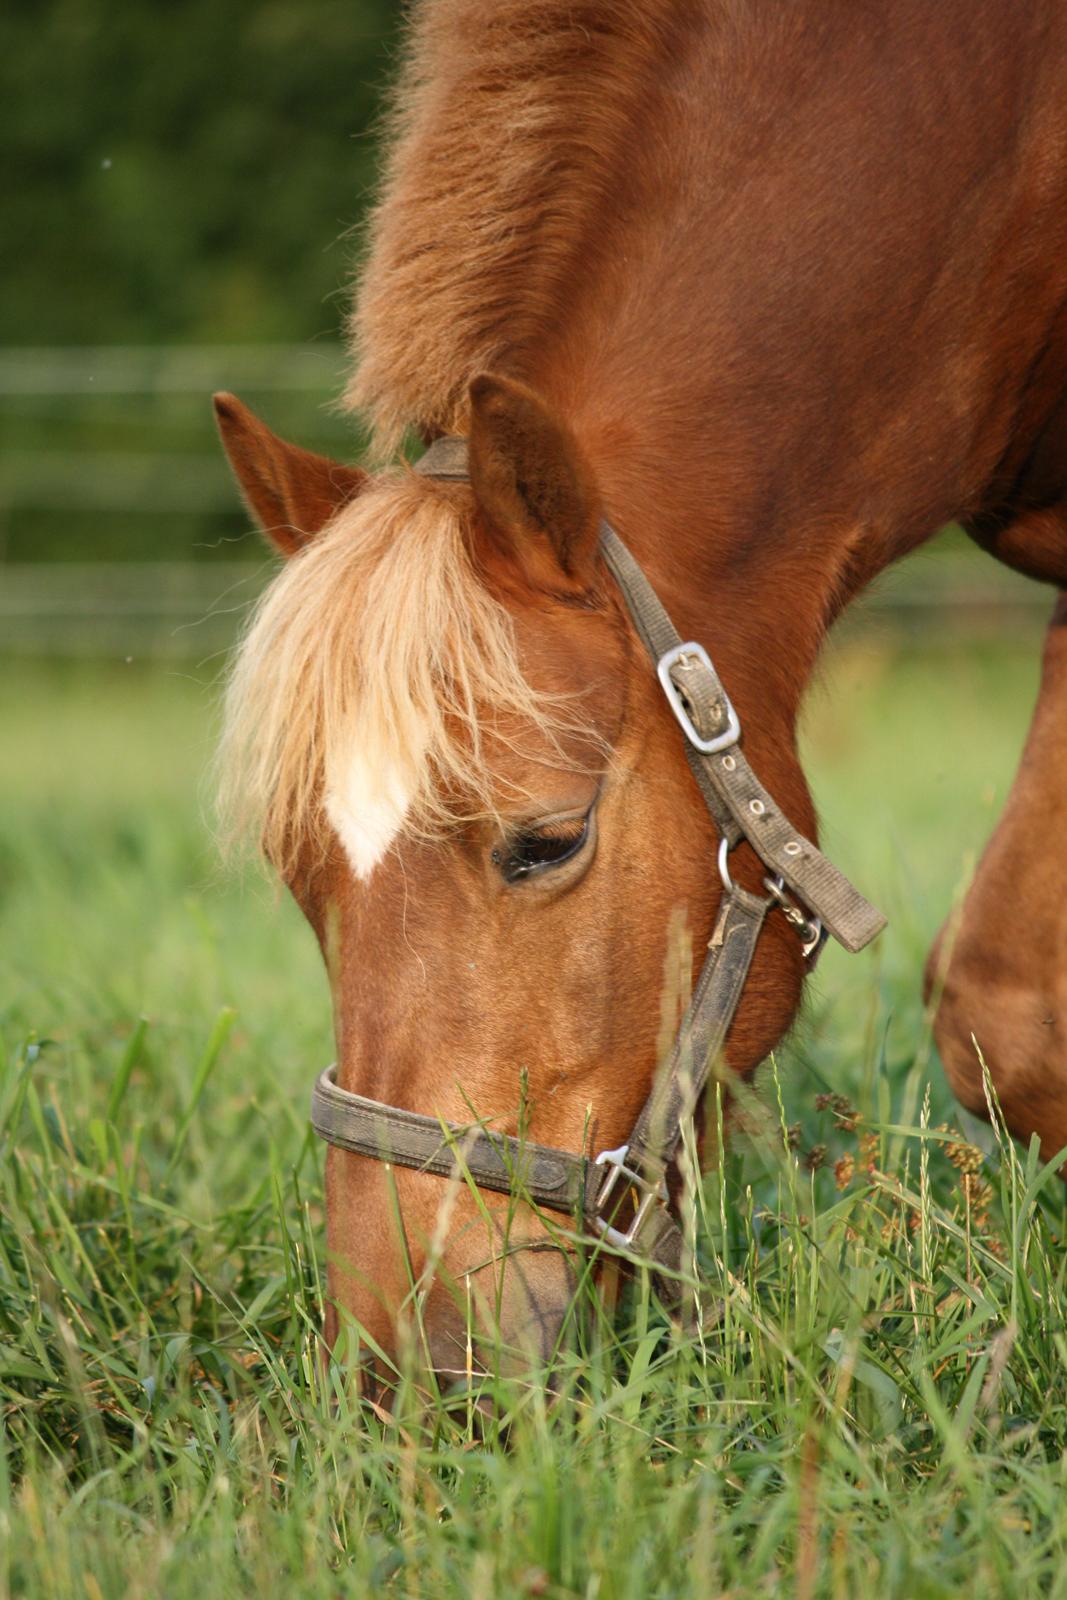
(540, 848)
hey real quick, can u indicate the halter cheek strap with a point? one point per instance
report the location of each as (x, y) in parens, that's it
(737, 800)
(621, 1195)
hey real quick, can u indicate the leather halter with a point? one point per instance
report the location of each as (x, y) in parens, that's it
(633, 1178)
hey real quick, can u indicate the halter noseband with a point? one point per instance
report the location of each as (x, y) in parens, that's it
(635, 1175)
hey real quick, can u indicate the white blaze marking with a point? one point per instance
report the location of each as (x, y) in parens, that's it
(367, 804)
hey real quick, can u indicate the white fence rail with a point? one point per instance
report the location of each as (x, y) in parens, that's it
(128, 609)
(169, 369)
(173, 609)
(99, 439)
(161, 461)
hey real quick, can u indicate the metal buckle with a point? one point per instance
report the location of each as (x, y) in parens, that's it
(671, 658)
(650, 1195)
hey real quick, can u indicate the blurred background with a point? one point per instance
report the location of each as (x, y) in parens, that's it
(183, 184)
(183, 188)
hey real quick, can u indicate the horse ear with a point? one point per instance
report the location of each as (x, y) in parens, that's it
(291, 492)
(532, 482)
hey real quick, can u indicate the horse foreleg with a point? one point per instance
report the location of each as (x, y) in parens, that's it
(1002, 973)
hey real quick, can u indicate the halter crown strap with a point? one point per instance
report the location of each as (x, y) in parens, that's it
(446, 458)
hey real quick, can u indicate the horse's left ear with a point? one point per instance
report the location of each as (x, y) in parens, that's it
(532, 482)
(291, 492)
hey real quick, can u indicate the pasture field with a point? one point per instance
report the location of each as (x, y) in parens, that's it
(875, 1403)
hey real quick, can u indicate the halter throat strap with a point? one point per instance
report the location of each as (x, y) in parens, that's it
(622, 1195)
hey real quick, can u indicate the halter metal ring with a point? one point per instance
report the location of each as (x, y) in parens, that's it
(724, 869)
(671, 658)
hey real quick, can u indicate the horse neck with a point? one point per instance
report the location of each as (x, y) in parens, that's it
(757, 572)
(786, 371)
(792, 344)
(754, 522)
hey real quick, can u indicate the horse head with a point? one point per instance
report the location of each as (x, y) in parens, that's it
(462, 765)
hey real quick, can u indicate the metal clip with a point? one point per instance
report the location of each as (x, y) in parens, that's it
(810, 930)
(673, 658)
(649, 1196)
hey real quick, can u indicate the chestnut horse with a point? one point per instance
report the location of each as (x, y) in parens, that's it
(780, 290)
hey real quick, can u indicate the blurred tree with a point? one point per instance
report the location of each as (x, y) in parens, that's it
(184, 169)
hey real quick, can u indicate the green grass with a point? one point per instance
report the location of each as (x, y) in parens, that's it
(875, 1404)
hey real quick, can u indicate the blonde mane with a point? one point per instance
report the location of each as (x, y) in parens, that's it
(379, 644)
